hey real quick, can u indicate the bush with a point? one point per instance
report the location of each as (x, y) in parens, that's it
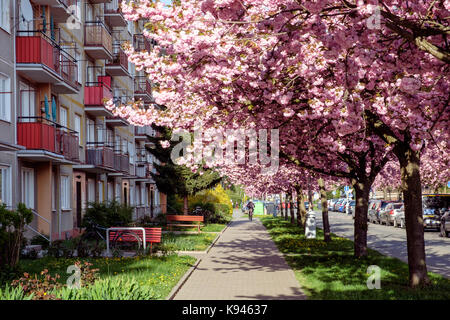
(39, 240)
(107, 214)
(12, 225)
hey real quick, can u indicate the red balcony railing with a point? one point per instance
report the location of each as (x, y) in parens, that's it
(96, 92)
(39, 133)
(100, 154)
(37, 49)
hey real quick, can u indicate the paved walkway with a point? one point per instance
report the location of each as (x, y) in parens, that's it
(243, 264)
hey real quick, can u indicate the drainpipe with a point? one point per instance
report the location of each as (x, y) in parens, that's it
(14, 112)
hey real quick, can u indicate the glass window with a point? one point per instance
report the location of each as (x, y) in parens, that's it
(27, 101)
(28, 187)
(5, 98)
(5, 186)
(65, 193)
(63, 117)
(77, 126)
(4, 15)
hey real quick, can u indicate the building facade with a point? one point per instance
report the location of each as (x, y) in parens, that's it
(60, 148)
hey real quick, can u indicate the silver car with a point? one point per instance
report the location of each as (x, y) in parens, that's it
(387, 215)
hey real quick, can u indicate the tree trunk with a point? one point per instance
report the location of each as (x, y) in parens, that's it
(302, 210)
(291, 203)
(412, 195)
(281, 205)
(185, 205)
(362, 192)
(325, 221)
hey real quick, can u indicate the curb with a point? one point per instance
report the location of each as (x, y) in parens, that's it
(182, 281)
(186, 276)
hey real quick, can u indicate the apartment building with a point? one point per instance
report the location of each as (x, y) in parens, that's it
(60, 148)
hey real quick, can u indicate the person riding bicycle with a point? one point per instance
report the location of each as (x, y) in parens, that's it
(251, 207)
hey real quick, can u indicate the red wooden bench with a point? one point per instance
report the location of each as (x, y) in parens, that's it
(152, 235)
(175, 219)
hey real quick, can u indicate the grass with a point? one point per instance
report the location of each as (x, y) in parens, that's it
(329, 271)
(157, 275)
(188, 242)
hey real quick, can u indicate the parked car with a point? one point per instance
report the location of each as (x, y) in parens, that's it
(434, 207)
(399, 220)
(445, 224)
(388, 213)
(352, 205)
(342, 205)
(375, 208)
(337, 204)
(331, 204)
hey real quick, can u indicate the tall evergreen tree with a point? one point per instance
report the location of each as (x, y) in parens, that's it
(177, 179)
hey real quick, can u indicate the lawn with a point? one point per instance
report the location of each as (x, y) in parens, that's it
(330, 271)
(188, 242)
(153, 277)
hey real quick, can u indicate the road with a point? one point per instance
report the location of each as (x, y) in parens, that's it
(392, 241)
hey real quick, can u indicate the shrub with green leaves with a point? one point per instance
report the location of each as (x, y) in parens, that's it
(107, 214)
(14, 293)
(12, 225)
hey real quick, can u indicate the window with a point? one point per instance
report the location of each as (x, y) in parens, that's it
(100, 191)
(27, 101)
(28, 187)
(118, 192)
(132, 152)
(91, 190)
(90, 132)
(4, 15)
(5, 185)
(65, 193)
(5, 98)
(63, 120)
(79, 67)
(110, 191)
(77, 127)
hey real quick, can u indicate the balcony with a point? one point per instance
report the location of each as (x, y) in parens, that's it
(142, 133)
(118, 66)
(142, 89)
(37, 57)
(46, 140)
(141, 43)
(113, 15)
(94, 95)
(69, 73)
(62, 10)
(100, 154)
(97, 40)
(41, 60)
(122, 162)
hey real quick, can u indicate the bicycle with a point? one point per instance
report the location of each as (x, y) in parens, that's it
(122, 242)
(250, 214)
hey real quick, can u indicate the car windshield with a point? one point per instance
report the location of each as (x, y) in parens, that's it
(384, 204)
(352, 203)
(398, 205)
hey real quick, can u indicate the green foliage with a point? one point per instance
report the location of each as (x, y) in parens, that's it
(330, 271)
(14, 293)
(176, 179)
(107, 214)
(12, 225)
(39, 240)
(109, 289)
